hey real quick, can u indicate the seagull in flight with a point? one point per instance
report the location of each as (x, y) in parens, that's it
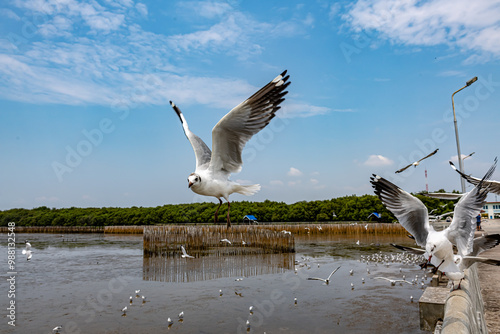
(394, 281)
(327, 280)
(185, 254)
(494, 185)
(416, 163)
(413, 216)
(27, 251)
(229, 136)
(226, 241)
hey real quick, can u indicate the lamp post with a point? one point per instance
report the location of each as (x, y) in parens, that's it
(460, 162)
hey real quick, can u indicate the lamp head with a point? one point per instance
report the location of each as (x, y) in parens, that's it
(471, 81)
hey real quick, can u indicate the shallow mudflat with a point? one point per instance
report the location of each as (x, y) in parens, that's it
(82, 282)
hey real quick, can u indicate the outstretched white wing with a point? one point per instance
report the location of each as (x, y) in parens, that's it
(409, 210)
(494, 186)
(201, 150)
(232, 132)
(461, 230)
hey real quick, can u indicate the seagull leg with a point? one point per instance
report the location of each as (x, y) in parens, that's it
(436, 269)
(217, 212)
(228, 220)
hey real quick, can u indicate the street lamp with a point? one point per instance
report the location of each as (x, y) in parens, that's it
(468, 156)
(460, 163)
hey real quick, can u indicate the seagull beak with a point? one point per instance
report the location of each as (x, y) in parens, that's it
(190, 184)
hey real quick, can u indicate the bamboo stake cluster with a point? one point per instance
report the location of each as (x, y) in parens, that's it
(177, 269)
(132, 229)
(203, 240)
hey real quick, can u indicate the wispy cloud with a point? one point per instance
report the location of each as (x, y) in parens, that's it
(299, 109)
(8, 13)
(276, 183)
(452, 73)
(473, 26)
(98, 53)
(377, 160)
(207, 9)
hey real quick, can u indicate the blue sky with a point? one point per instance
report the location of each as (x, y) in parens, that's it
(85, 85)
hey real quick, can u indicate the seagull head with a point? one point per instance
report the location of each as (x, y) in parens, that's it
(193, 179)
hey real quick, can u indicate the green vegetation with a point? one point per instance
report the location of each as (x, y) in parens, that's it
(348, 208)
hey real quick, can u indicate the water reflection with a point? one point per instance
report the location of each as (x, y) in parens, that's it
(211, 266)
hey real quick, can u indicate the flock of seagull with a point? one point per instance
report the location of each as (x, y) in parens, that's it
(236, 128)
(232, 132)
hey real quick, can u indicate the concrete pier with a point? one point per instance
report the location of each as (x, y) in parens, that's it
(489, 279)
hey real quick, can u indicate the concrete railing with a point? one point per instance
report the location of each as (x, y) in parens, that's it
(464, 308)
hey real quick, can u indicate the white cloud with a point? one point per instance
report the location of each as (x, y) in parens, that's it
(276, 183)
(206, 9)
(471, 25)
(93, 14)
(59, 26)
(109, 58)
(142, 9)
(376, 160)
(314, 181)
(294, 172)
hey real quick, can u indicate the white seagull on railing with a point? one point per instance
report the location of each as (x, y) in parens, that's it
(327, 280)
(416, 163)
(185, 254)
(229, 136)
(413, 216)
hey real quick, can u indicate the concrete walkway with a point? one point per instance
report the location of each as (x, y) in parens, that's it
(489, 278)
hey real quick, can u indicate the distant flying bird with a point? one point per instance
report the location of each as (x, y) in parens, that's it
(416, 163)
(184, 254)
(229, 136)
(327, 280)
(413, 216)
(226, 241)
(394, 281)
(494, 185)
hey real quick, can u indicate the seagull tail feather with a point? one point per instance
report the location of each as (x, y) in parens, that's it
(248, 190)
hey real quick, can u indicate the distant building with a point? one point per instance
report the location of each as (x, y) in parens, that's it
(250, 219)
(492, 209)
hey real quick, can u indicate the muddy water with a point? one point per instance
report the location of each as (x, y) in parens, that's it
(82, 281)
